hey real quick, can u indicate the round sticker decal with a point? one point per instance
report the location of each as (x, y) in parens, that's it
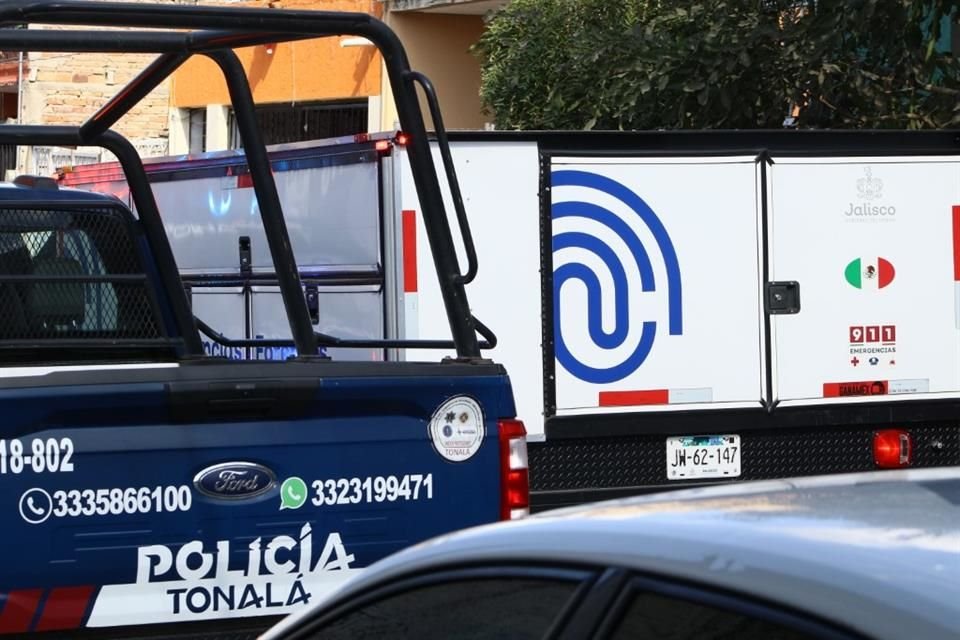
(456, 428)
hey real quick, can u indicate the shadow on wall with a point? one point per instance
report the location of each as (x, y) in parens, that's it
(362, 68)
(263, 57)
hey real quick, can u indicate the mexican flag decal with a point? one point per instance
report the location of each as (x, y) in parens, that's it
(869, 273)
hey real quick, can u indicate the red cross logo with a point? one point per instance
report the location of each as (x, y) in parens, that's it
(854, 361)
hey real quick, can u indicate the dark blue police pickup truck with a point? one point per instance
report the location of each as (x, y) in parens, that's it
(151, 489)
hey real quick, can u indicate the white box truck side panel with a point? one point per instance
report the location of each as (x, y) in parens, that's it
(349, 312)
(499, 182)
(871, 242)
(225, 309)
(656, 283)
(331, 214)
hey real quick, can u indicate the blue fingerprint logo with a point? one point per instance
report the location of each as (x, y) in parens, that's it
(614, 264)
(221, 208)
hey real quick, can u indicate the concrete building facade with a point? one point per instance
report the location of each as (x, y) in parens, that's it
(305, 89)
(438, 35)
(300, 81)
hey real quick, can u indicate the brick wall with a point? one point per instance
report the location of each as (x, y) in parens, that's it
(69, 88)
(66, 89)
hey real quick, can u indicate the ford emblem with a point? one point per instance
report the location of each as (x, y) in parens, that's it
(235, 480)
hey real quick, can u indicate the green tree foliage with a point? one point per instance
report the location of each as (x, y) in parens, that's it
(648, 64)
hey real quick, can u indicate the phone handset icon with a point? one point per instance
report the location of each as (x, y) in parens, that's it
(293, 493)
(36, 505)
(34, 508)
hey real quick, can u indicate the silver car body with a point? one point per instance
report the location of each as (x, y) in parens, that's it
(877, 552)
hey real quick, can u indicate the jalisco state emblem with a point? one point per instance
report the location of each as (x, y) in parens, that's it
(868, 187)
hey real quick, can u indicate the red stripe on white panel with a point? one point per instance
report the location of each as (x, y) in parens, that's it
(409, 234)
(634, 398)
(647, 397)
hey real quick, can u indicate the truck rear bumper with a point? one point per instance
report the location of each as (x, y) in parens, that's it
(571, 471)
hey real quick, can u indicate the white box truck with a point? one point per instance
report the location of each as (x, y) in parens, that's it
(675, 308)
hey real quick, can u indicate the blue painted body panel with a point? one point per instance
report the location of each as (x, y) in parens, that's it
(123, 438)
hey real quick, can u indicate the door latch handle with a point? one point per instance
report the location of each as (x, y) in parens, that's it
(313, 302)
(783, 297)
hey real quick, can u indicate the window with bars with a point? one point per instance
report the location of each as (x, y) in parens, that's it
(284, 123)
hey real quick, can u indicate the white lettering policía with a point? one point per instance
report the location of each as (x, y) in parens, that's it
(195, 582)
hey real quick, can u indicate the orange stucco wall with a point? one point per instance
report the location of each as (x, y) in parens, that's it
(318, 69)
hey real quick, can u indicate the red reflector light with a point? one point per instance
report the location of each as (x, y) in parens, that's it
(382, 145)
(514, 478)
(892, 448)
(402, 139)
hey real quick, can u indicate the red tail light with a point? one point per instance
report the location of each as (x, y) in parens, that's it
(892, 449)
(514, 481)
(401, 138)
(382, 145)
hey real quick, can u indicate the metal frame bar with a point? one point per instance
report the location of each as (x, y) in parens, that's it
(92, 278)
(792, 142)
(268, 199)
(138, 41)
(221, 28)
(146, 205)
(455, 194)
(326, 340)
(135, 91)
(55, 343)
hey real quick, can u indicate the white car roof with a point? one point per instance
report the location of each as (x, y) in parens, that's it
(879, 552)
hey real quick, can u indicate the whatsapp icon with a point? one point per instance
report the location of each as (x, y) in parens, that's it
(293, 493)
